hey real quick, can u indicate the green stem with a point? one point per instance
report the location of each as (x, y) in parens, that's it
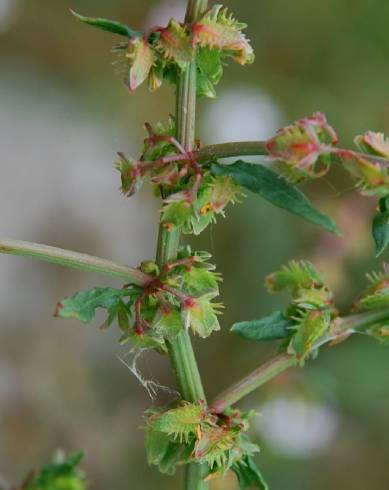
(233, 149)
(72, 259)
(361, 321)
(180, 350)
(195, 9)
(258, 148)
(252, 381)
(345, 327)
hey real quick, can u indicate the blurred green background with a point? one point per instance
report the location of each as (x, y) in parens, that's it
(64, 112)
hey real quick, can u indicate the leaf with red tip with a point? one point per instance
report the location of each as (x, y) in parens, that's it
(219, 30)
(303, 148)
(175, 44)
(201, 315)
(373, 143)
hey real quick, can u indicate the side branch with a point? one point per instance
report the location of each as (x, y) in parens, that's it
(252, 381)
(72, 259)
(344, 328)
(233, 149)
(258, 148)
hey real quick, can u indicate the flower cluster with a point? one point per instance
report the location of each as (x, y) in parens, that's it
(311, 309)
(372, 174)
(163, 52)
(189, 432)
(193, 196)
(375, 297)
(178, 296)
(304, 148)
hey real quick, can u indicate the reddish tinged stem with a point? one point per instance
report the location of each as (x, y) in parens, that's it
(198, 177)
(184, 298)
(155, 138)
(147, 165)
(139, 321)
(188, 261)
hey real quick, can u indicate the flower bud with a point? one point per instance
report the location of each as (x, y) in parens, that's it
(303, 148)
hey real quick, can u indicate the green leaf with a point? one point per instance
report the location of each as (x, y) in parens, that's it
(157, 444)
(248, 474)
(168, 323)
(164, 453)
(205, 87)
(108, 25)
(209, 71)
(199, 280)
(275, 189)
(60, 475)
(380, 230)
(272, 327)
(83, 304)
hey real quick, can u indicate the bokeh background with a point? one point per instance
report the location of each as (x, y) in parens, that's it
(64, 112)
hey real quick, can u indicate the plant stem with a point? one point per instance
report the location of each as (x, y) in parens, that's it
(258, 148)
(194, 10)
(252, 381)
(180, 350)
(345, 326)
(72, 259)
(233, 149)
(361, 321)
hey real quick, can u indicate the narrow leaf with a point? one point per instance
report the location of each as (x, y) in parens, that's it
(72, 259)
(272, 327)
(108, 25)
(380, 230)
(277, 190)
